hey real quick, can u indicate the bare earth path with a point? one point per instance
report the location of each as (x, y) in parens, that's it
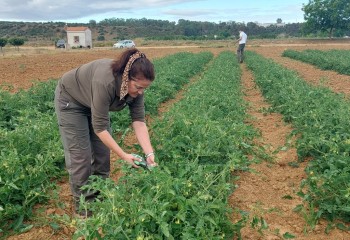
(265, 193)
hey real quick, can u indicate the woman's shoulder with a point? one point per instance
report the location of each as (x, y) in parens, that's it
(102, 64)
(103, 60)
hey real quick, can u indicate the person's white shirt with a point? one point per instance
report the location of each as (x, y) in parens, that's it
(242, 37)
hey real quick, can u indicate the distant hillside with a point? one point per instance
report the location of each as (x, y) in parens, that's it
(114, 29)
(51, 31)
(32, 30)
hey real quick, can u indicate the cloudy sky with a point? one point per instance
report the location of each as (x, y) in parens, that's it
(81, 11)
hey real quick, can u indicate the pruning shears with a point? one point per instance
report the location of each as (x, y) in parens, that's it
(141, 162)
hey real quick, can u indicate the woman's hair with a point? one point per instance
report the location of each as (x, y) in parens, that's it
(141, 66)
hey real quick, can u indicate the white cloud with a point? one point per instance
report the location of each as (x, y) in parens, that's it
(196, 10)
(182, 12)
(37, 10)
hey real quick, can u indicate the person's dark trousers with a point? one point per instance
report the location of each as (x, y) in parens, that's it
(240, 52)
(85, 153)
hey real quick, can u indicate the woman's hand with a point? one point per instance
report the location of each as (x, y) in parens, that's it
(130, 158)
(150, 157)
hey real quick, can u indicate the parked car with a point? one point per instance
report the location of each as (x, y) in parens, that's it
(124, 44)
(61, 43)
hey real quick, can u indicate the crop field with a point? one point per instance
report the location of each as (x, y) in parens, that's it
(258, 150)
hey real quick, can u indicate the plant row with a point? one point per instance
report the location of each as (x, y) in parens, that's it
(335, 60)
(321, 119)
(31, 155)
(199, 142)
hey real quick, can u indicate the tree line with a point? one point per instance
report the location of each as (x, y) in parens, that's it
(119, 28)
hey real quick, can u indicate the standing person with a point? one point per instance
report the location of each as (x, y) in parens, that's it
(242, 40)
(83, 98)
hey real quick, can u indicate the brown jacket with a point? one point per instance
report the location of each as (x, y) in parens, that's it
(93, 86)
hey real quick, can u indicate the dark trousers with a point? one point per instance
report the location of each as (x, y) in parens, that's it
(240, 52)
(85, 153)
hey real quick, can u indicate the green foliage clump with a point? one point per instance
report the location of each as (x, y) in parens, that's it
(3, 42)
(335, 60)
(31, 155)
(327, 15)
(15, 41)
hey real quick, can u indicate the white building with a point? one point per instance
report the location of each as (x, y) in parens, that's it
(270, 24)
(79, 37)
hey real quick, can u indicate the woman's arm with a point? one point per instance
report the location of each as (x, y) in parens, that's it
(108, 140)
(142, 136)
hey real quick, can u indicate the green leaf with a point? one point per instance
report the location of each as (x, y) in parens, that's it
(18, 222)
(149, 212)
(329, 228)
(163, 213)
(25, 228)
(289, 197)
(264, 224)
(165, 229)
(345, 209)
(54, 225)
(13, 186)
(287, 235)
(298, 208)
(210, 220)
(284, 148)
(341, 226)
(254, 222)
(118, 229)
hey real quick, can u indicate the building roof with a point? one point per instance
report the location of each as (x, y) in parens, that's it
(76, 29)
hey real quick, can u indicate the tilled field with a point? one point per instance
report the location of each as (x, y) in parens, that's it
(19, 70)
(261, 192)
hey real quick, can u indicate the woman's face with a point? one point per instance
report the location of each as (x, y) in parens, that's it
(137, 85)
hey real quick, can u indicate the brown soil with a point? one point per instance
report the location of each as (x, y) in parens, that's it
(261, 192)
(20, 70)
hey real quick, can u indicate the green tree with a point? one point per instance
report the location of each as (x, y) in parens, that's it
(3, 42)
(101, 38)
(327, 15)
(279, 20)
(16, 42)
(92, 23)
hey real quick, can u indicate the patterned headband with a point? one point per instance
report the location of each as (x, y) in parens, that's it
(125, 77)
